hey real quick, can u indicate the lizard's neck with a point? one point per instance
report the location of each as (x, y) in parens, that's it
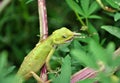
(49, 40)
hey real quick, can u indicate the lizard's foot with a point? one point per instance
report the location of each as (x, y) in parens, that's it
(56, 72)
(38, 78)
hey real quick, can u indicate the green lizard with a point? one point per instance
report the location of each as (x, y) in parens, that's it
(42, 52)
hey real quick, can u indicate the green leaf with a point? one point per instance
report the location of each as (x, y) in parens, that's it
(85, 9)
(95, 17)
(117, 16)
(110, 50)
(87, 81)
(29, 1)
(85, 6)
(104, 78)
(5, 70)
(93, 7)
(82, 56)
(10, 69)
(75, 7)
(3, 59)
(116, 62)
(97, 51)
(112, 30)
(64, 47)
(65, 75)
(114, 3)
(93, 32)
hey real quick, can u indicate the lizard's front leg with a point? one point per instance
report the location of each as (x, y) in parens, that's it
(48, 59)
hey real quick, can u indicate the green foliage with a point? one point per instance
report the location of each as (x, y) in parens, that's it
(86, 9)
(19, 28)
(29, 1)
(87, 81)
(112, 30)
(114, 3)
(117, 16)
(5, 71)
(81, 55)
(65, 75)
(92, 31)
(97, 57)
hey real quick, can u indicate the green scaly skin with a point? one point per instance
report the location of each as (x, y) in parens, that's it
(37, 57)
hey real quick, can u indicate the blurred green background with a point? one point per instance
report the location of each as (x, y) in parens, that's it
(19, 26)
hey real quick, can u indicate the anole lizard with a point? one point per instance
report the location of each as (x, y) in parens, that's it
(42, 52)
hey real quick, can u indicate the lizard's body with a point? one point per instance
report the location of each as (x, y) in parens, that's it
(44, 49)
(37, 57)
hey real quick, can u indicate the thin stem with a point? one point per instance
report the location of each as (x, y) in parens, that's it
(43, 31)
(42, 19)
(100, 3)
(105, 7)
(86, 21)
(86, 27)
(80, 19)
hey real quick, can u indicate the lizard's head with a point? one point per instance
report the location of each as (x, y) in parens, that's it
(62, 35)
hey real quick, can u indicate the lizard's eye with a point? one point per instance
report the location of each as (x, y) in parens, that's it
(64, 36)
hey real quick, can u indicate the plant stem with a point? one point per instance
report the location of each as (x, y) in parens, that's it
(43, 31)
(80, 19)
(42, 19)
(105, 7)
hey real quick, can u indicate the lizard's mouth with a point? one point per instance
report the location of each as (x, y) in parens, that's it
(69, 40)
